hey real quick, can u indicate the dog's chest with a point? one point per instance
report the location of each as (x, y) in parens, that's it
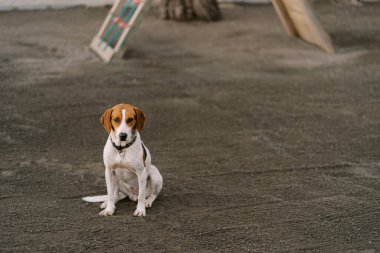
(123, 161)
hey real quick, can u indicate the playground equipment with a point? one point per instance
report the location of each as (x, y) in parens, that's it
(120, 21)
(297, 17)
(299, 20)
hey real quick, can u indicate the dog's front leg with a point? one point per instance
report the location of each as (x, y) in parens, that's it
(142, 176)
(112, 191)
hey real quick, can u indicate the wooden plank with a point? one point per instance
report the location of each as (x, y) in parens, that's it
(299, 15)
(284, 17)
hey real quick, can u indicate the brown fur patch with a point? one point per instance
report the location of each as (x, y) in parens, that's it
(106, 119)
(144, 154)
(140, 119)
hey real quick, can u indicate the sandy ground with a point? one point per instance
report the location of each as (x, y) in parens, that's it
(265, 143)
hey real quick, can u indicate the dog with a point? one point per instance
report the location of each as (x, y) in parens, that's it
(128, 168)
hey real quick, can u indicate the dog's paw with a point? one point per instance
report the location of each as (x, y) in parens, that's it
(107, 212)
(139, 212)
(149, 201)
(103, 205)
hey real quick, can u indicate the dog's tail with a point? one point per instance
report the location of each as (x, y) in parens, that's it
(99, 198)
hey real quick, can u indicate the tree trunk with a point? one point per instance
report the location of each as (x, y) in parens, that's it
(189, 9)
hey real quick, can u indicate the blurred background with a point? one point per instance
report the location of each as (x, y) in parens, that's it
(41, 4)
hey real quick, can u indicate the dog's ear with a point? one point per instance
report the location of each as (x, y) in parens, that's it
(106, 120)
(140, 119)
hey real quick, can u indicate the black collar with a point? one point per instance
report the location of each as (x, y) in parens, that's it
(120, 148)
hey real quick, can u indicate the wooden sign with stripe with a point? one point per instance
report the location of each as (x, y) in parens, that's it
(121, 19)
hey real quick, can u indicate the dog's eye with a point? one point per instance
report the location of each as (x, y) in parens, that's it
(117, 120)
(129, 120)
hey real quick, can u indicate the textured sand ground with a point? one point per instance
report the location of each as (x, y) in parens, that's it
(265, 143)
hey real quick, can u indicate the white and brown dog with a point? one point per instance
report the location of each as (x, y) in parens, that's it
(129, 172)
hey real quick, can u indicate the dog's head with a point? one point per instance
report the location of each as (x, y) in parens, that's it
(122, 121)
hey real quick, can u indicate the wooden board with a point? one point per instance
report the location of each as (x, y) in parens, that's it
(120, 21)
(299, 20)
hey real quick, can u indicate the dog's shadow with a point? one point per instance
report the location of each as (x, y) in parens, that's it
(127, 207)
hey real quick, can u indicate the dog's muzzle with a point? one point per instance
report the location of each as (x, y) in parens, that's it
(123, 136)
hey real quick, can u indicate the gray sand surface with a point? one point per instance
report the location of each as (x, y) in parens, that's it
(265, 143)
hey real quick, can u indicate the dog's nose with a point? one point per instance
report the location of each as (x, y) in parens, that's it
(123, 136)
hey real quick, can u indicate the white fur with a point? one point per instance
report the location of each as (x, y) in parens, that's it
(95, 199)
(126, 175)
